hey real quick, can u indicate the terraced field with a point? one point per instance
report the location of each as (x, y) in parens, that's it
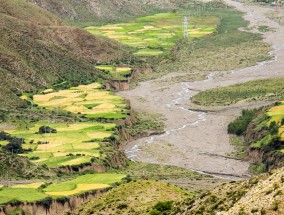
(82, 184)
(88, 100)
(154, 34)
(73, 144)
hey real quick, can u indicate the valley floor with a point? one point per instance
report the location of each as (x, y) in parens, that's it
(198, 140)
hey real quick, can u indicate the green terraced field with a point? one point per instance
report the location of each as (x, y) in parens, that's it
(73, 144)
(154, 34)
(81, 184)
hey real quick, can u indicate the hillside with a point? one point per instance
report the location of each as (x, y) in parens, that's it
(90, 10)
(137, 197)
(38, 49)
(260, 195)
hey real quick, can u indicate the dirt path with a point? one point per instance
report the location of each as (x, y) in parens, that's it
(198, 140)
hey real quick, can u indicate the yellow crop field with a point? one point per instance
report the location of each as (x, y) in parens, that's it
(71, 145)
(85, 99)
(98, 135)
(79, 189)
(33, 185)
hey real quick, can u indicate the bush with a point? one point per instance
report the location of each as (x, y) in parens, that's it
(161, 208)
(46, 130)
(239, 126)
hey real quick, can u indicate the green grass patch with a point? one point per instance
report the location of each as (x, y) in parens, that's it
(269, 89)
(20, 194)
(83, 183)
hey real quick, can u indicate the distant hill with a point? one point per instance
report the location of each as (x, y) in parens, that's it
(38, 49)
(90, 10)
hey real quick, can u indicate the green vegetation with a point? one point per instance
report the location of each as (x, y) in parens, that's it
(154, 34)
(136, 197)
(240, 147)
(58, 144)
(20, 194)
(83, 183)
(239, 126)
(226, 49)
(264, 28)
(35, 193)
(269, 89)
(13, 167)
(146, 124)
(116, 73)
(137, 170)
(262, 130)
(46, 55)
(73, 144)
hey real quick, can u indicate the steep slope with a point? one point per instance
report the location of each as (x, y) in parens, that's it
(37, 49)
(90, 10)
(260, 195)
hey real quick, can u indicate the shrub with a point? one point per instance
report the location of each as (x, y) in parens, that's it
(239, 126)
(46, 130)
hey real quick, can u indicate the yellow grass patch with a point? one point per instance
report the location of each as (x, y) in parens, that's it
(77, 108)
(80, 188)
(99, 135)
(63, 154)
(64, 193)
(33, 185)
(89, 86)
(110, 27)
(85, 187)
(75, 161)
(24, 97)
(123, 69)
(48, 91)
(89, 145)
(75, 127)
(277, 109)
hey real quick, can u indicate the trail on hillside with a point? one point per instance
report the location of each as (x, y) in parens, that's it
(198, 140)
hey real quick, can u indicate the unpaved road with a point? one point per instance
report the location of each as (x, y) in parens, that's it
(198, 140)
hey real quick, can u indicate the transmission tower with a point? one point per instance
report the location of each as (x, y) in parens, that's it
(185, 27)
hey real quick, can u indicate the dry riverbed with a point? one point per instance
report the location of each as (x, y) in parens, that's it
(198, 140)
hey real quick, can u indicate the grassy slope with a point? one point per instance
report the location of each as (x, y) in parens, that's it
(133, 198)
(269, 89)
(260, 195)
(99, 10)
(38, 49)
